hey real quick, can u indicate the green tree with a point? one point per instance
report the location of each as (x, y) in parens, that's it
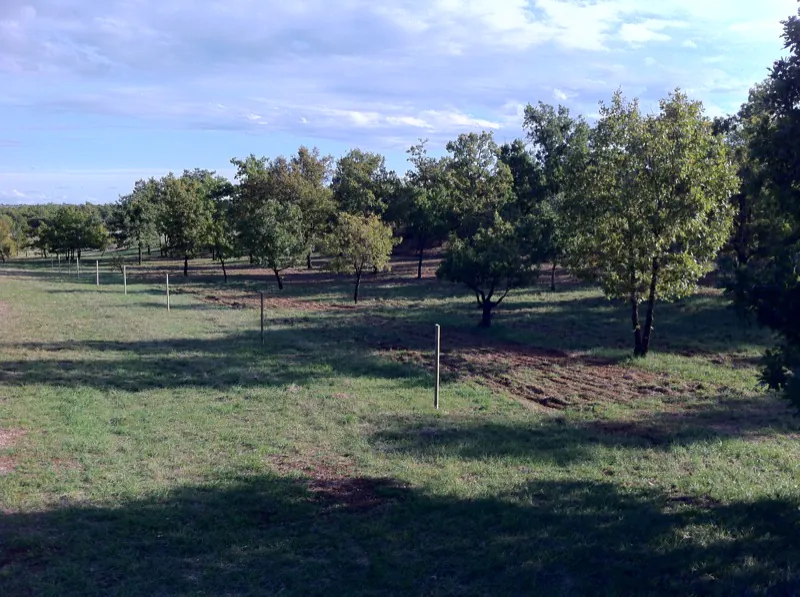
(71, 229)
(223, 232)
(769, 283)
(558, 143)
(314, 196)
(278, 233)
(650, 208)
(360, 183)
(479, 183)
(186, 210)
(359, 242)
(490, 263)
(138, 215)
(8, 243)
(427, 201)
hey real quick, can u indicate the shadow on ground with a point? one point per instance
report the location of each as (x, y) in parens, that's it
(277, 535)
(564, 441)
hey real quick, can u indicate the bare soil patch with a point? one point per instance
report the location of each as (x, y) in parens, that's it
(334, 484)
(9, 436)
(548, 378)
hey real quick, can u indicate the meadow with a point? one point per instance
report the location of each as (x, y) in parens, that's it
(154, 452)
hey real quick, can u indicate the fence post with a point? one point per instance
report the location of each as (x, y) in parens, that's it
(438, 352)
(167, 292)
(262, 318)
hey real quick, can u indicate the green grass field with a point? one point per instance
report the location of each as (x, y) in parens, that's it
(146, 452)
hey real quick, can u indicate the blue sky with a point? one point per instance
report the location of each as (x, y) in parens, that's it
(97, 94)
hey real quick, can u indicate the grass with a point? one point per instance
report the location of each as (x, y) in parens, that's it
(149, 452)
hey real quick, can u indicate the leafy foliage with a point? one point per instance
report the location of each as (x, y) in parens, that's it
(649, 210)
(357, 243)
(490, 264)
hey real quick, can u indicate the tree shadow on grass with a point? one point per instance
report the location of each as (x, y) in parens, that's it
(272, 535)
(563, 441)
(298, 356)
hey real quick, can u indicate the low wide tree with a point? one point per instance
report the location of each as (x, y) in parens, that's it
(649, 209)
(359, 243)
(490, 263)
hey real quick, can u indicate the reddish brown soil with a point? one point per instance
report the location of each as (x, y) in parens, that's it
(333, 482)
(548, 378)
(8, 438)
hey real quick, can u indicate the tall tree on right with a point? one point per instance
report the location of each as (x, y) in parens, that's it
(648, 208)
(770, 279)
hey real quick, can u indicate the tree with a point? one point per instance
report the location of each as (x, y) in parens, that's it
(138, 219)
(72, 229)
(223, 233)
(359, 242)
(186, 209)
(8, 243)
(313, 195)
(360, 183)
(269, 219)
(769, 283)
(277, 235)
(479, 182)
(558, 142)
(490, 264)
(650, 208)
(427, 201)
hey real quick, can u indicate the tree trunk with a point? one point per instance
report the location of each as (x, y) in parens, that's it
(140, 254)
(278, 278)
(637, 329)
(148, 251)
(79, 253)
(185, 266)
(486, 317)
(651, 303)
(419, 263)
(308, 261)
(358, 283)
(224, 271)
(553, 278)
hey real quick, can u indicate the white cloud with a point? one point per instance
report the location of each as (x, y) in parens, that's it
(647, 31)
(355, 72)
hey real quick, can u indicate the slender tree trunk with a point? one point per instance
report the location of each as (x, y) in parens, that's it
(553, 278)
(486, 313)
(148, 250)
(224, 271)
(278, 278)
(419, 262)
(358, 283)
(308, 261)
(185, 266)
(140, 254)
(637, 329)
(651, 303)
(79, 253)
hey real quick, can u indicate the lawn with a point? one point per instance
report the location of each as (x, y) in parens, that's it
(154, 452)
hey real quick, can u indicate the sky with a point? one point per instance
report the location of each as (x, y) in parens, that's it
(96, 94)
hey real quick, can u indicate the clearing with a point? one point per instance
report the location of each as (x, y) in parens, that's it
(146, 452)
